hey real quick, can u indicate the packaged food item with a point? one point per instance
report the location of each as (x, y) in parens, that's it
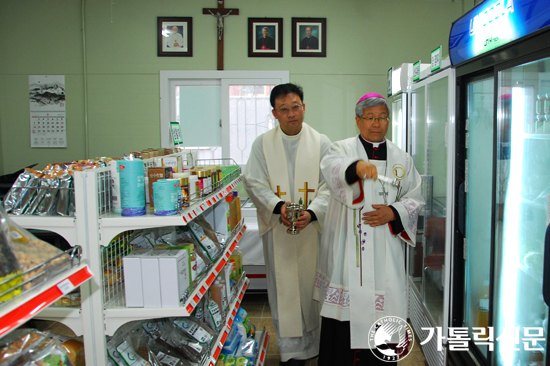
(18, 341)
(237, 265)
(75, 351)
(66, 193)
(30, 253)
(194, 329)
(180, 344)
(213, 314)
(211, 247)
(31, 347)
(21, 192)
(9, 265)
(242, 317)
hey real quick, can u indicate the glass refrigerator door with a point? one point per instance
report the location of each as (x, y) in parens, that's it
(418, 153)
(521, 213)
(437, 124)
(399, 121)
(478, 186)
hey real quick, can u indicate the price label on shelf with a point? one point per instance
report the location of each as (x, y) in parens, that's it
(65, 286)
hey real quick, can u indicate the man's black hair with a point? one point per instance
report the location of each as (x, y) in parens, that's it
(285, 89)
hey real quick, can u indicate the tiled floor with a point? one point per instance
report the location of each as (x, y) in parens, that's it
(259, 313)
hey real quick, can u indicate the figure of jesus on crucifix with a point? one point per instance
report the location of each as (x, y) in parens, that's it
(220, 13)
(220, 22)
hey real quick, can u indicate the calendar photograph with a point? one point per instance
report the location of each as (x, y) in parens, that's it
(47, 92)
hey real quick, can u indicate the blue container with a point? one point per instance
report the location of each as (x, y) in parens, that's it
(132, 187)
(166, 194)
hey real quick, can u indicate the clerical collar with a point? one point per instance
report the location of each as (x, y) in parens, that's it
(292, 137)
(375, 150)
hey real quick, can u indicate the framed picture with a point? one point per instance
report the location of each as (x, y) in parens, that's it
(175, 36)
(265, 37)
(309, 37)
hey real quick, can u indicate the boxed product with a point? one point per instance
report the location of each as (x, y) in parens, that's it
(133, 288)
(175, 275)
(150, 279)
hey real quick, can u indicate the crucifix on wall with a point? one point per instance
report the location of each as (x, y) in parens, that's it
(220, 13)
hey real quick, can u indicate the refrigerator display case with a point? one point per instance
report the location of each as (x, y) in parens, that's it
(399, 80)
(501, 52)
(432, 148)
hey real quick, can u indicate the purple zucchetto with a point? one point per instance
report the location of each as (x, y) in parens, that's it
(370, 95)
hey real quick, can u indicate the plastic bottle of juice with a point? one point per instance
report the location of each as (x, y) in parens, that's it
(483, 306)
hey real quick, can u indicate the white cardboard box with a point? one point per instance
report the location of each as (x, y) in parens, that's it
(133, 289)
(150, 279)
(174, 267)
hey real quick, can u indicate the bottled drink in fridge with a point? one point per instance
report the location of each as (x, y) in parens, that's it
(483, 307)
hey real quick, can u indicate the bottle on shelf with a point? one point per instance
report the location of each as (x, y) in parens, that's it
(483, 306)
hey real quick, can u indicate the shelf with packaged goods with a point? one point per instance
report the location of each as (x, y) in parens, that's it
(30, 304)
(117, 315)
(233, 309)
(262, 350)
(64, 226)
(112, 224)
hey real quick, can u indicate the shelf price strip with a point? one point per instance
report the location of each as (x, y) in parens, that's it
(33, 306)
(229, 322)
(264, 349)
(188, 216)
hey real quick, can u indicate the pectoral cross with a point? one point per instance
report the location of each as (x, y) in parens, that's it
(220, 12)
(305, 190)
(279, 193)
(384, 194)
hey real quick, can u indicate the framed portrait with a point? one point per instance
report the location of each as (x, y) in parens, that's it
(175, 36)
(265, 37)
(309, 37)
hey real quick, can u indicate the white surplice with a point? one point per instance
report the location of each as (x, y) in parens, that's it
(277, 170)
(361, 271)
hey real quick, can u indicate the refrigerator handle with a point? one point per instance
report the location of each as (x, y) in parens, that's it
(546, 272)
(462, 209)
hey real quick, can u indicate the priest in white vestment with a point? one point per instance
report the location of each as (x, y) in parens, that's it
(283, 167)
(372, 215)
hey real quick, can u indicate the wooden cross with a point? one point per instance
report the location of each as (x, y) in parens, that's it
(220, 12)
(305, 190)
(279, 193)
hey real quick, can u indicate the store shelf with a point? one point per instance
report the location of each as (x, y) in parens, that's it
(117, 315)
(537, 136)
(64, 226)
(30, 304)
(112, 224)
(71, 317)
(262, 351)
(233, 309)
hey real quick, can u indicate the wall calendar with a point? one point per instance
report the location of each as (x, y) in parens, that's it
(47, 111)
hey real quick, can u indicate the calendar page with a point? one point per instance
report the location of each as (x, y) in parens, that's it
(47, 111)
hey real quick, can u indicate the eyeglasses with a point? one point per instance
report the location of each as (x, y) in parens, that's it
(285, 111)
(374, 119)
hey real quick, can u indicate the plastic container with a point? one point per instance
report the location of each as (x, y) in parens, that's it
(132, 187)
(115, 186)
(166, 193)
(483, 306)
